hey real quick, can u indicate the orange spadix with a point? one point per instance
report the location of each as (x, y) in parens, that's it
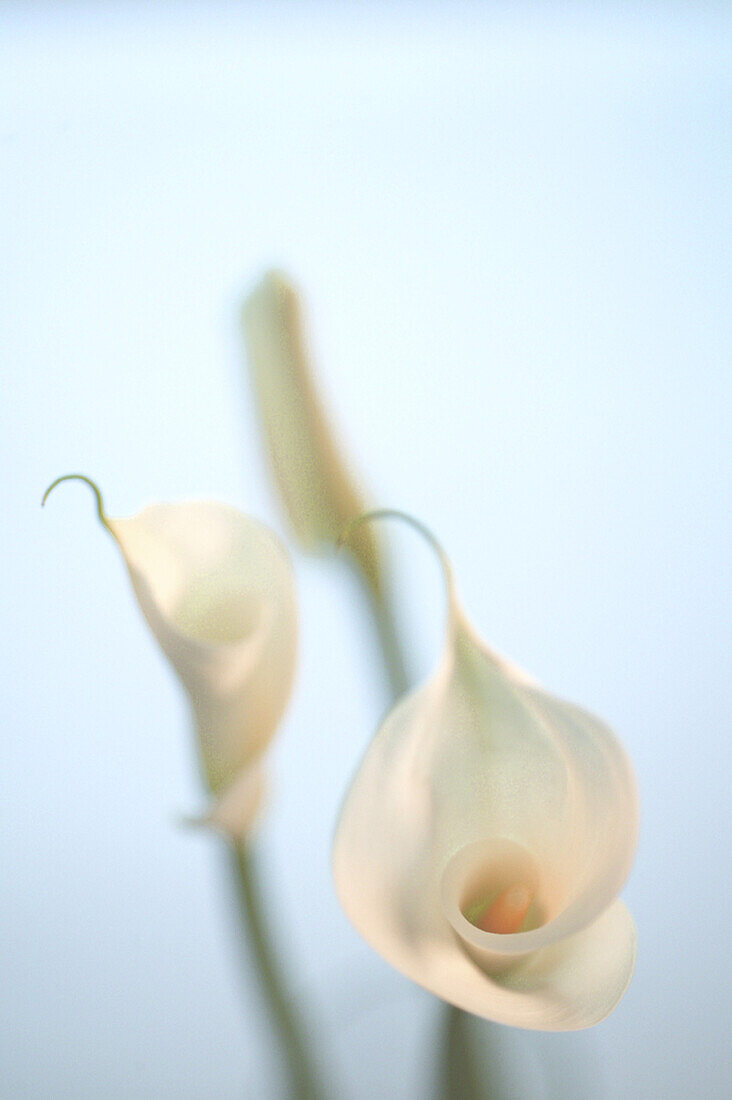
(506, 912)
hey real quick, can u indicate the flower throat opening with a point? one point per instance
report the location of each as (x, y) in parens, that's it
(502, 912)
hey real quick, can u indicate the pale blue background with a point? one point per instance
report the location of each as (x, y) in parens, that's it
(513, 230)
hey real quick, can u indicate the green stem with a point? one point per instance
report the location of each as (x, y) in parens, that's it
(458, 1074)
(303, 1080)
(383, 615)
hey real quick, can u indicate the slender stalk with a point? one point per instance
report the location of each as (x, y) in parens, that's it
(383, 615)
(459, 1076)
(303, 1079)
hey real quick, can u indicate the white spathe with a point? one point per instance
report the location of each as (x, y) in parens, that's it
(476, 784)
(217, 591)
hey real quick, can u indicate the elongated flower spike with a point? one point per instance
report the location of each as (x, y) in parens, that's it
(216, 589)
(484, 840)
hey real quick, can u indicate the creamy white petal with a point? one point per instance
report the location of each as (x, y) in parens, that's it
(312, 476)
(216, 589)
(477, 782)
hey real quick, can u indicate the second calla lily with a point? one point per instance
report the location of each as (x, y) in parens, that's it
(217, 591)
(485, 838)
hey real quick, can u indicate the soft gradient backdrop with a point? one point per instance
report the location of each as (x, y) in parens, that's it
(512, 226)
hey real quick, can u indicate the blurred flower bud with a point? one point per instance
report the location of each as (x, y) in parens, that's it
(312, 477)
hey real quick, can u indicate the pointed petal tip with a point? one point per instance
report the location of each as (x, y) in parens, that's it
(101, 514)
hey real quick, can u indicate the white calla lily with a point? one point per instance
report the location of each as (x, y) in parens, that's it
(216, 589)
(485, 837)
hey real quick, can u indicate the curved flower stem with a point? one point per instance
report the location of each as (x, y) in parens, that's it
(383, 615)
(303, 1081)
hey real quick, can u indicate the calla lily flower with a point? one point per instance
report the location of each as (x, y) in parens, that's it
(216, 589)
(484, 840)
(314, 482)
